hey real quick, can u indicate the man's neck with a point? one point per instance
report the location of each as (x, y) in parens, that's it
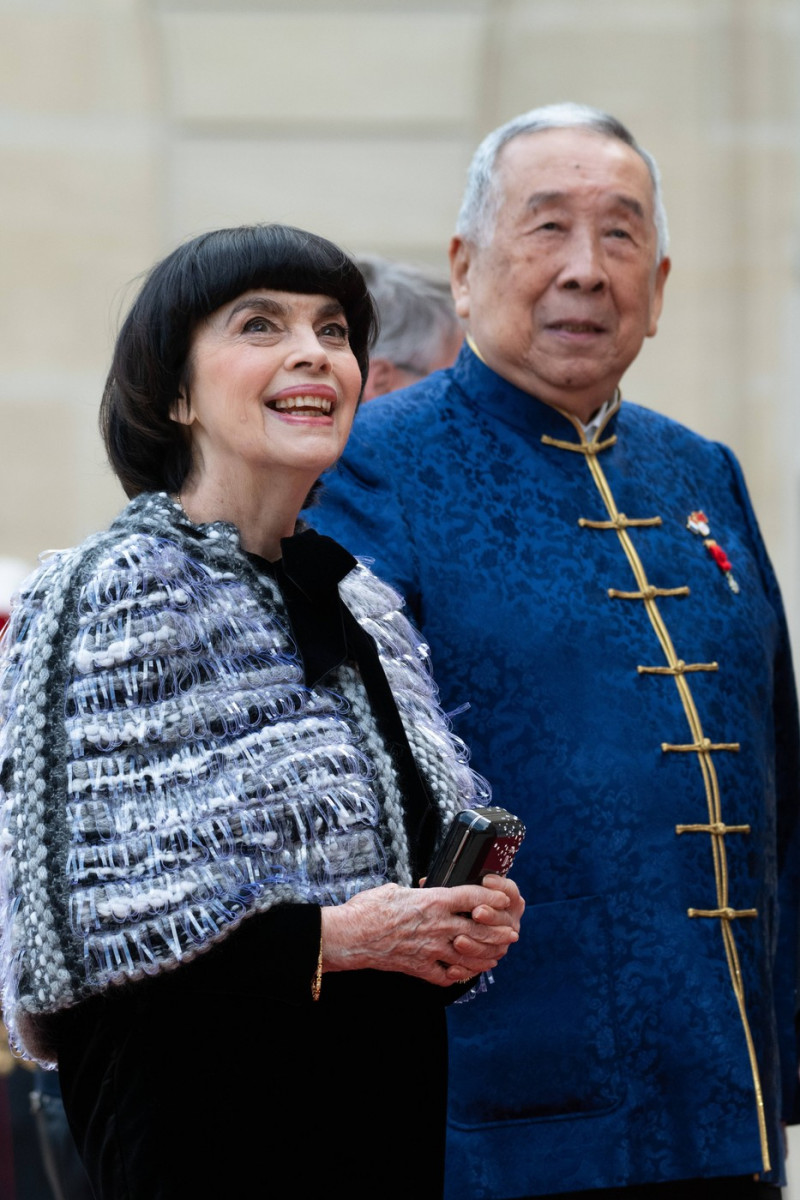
(596, 421)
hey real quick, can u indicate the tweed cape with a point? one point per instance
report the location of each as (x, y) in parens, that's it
(165, 771)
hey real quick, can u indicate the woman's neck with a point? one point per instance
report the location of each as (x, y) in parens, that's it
(262, 515)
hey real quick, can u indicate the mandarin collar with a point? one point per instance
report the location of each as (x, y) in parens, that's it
(488, 392)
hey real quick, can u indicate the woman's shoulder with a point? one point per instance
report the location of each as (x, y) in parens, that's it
(152, 536)
(153, 527)
(150, 552)
(366, 595)
(380, 609)
(127, 529)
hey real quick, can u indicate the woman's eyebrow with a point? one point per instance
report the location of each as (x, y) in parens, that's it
(331, 308)
(272, 307)
(263, 304)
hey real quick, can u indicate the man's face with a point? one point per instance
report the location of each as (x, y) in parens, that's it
(561, 298)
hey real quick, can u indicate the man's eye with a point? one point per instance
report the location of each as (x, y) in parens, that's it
(549, 226)
(619, 233)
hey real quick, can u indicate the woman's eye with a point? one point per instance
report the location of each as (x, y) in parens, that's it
(334, 329)
(257, 325)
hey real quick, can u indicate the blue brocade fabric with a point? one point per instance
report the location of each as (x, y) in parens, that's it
(619, 687)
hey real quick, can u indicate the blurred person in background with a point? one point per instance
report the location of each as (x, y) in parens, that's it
(12, 573)
(419, 331)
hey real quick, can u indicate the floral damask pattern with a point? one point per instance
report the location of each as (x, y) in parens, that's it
(596, 657)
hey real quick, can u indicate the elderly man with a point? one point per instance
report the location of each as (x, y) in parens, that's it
(419, 329)
(591, 580)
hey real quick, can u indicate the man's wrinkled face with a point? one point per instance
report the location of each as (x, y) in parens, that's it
(568, 285)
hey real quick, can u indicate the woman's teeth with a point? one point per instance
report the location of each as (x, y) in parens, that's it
(320, 404)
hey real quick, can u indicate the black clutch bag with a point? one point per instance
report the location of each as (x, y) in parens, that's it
(480, 841)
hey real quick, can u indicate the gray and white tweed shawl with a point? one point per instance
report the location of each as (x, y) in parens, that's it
(165, 771)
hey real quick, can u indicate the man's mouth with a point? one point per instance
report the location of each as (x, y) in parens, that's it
(576, 326)
(300, 404)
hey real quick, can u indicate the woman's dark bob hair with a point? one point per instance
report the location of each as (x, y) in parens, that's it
(149, 451)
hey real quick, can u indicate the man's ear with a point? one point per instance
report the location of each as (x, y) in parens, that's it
(180, 409)
(662, 271)
(460, 258)
(380, 379)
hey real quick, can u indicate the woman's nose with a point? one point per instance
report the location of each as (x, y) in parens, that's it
(306, 350)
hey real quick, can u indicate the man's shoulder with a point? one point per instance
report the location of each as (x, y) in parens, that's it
(638, 420)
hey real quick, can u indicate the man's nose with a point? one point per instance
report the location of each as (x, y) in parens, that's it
(584, 267)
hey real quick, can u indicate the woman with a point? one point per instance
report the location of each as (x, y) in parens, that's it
(225, 771)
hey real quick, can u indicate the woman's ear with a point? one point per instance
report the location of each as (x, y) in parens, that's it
(180, 410)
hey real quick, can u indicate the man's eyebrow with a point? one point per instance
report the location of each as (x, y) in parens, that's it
(632, 204)
(542, 199)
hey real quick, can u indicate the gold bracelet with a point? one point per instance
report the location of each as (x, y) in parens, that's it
(316, 982)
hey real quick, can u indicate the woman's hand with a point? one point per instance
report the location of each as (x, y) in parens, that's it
(472, 940)
(444, 935)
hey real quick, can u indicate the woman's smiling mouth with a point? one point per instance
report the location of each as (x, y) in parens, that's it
(304, 400)
(302, 404)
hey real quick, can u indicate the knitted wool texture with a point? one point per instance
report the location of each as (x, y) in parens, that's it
(165, 771)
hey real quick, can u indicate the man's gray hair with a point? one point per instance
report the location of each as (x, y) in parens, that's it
(482, 196)
(415, 311)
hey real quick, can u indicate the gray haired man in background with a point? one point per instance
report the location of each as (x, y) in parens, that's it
(419, 329)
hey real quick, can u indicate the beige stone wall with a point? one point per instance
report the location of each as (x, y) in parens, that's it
(128, 124)
(79, 184)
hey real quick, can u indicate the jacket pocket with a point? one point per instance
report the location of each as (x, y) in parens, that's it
(543, 1042)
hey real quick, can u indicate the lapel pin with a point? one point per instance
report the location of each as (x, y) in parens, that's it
(697, 522)
(723, 562)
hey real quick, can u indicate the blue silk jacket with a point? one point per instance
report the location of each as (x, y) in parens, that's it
(610, 616)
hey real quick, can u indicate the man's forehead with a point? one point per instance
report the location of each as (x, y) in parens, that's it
(553, 160)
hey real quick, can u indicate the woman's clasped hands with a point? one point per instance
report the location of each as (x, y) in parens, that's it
(443, 935)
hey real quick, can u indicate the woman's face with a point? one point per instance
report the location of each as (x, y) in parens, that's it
(273, 384)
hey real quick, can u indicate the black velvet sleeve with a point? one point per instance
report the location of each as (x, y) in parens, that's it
(272, 955)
